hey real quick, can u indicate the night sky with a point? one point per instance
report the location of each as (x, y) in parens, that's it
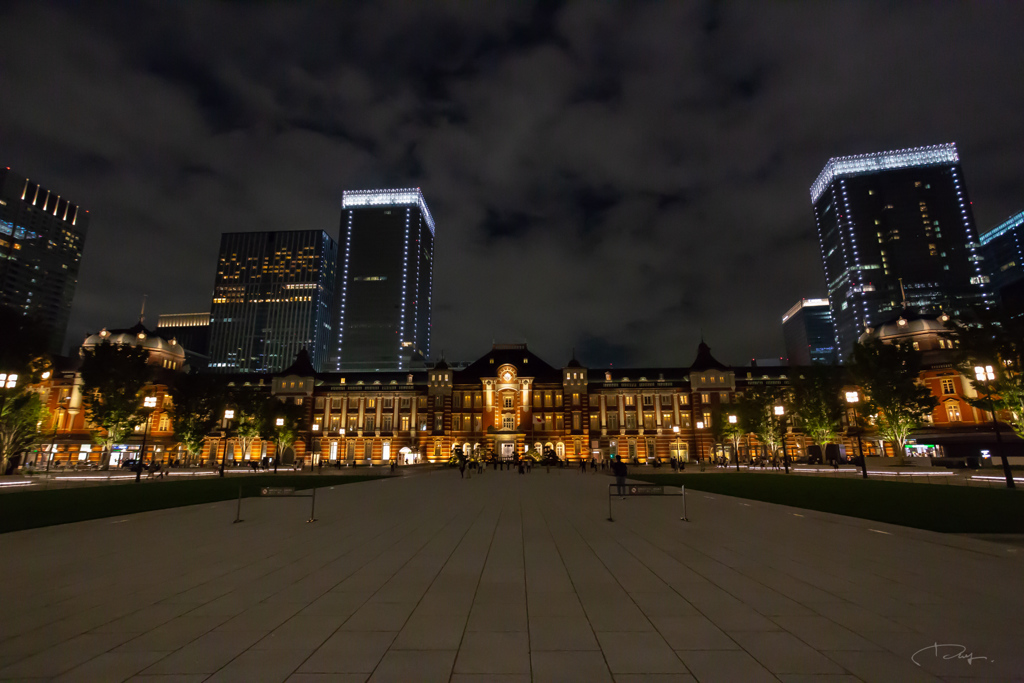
(611, 177)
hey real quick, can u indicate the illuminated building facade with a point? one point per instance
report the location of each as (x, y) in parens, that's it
(507, 403)
(385, 277)
(896, 230)
(1003, 247)
(42, 235)
(273, 296)
(809, 334)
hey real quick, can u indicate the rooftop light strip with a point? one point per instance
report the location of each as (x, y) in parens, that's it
(404, 197)
(1003, 228)
(883, 161)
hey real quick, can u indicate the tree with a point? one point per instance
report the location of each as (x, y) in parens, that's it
(815, 399)
(284, 434)
(251, 421)
(888, 374)
(113, 378)
(756, 411)
(197, 403)
(731, 432)
(21, 412)
(720, 430)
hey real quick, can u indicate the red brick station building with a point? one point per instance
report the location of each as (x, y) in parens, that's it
(504, 403)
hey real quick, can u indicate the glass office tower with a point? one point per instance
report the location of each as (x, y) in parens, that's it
(896, 231)
(273, 296)
(42, 235)
(809, 334)
(1003, 247)
(385, 278)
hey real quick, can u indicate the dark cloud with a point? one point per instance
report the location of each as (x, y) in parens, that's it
(611, 177)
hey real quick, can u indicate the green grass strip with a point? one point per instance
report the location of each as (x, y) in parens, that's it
(948, 509)
(30, 509)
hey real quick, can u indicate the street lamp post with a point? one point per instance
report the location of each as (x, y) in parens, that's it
(700, 443)
(675, 430)
(985, 376)
(852, 398)
(229, 415)
(735, 444)
(779, 412)
(148, 403)
(312, 442)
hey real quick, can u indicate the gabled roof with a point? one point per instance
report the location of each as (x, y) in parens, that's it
(705, 361)
(303, 365)
(527, 364)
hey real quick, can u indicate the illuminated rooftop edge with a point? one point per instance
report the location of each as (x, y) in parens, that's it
(883, 161)
(410, 196)
(1003, 228)
(800, 304)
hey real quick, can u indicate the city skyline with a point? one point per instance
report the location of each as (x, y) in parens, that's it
(615, 180)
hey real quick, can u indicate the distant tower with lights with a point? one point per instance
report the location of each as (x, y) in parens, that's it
(273, 296)
(896, 231)
(385, 277)
(42, 235)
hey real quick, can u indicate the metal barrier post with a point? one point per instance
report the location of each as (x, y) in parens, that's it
(312, 509)
(610, 503)
(238, 512)
(683, 489)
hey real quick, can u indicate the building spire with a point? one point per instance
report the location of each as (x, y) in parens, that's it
(142, 312)
(903, 294)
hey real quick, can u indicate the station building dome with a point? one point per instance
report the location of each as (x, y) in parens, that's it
(163, 352)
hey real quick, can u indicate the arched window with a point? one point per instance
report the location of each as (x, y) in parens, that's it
(560, 450)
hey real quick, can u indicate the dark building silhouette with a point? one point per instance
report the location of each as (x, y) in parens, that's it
(809, 333)
(896, 230)
(273, 296)
(1003, 247)
(385, 276)
(42, 235)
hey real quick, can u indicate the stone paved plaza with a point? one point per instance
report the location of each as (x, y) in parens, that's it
(505, 577)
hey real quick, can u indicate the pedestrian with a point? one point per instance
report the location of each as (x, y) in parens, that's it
(620, 471)
(522, 466)
(462, 469)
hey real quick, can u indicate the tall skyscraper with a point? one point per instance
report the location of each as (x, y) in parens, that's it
(1003, 247)
(41, 239)
(385, 279)
(273, 296)
(896, 230)
(810, 336)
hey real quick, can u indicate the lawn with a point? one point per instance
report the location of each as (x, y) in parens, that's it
(949, 509)
(31, 509)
